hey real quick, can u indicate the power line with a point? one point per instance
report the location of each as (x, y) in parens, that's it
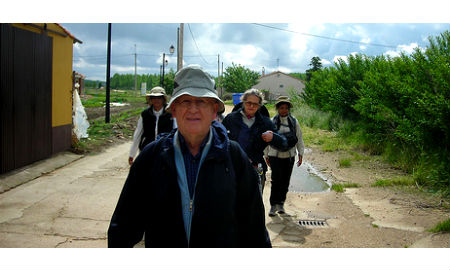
(324, 37)
(189, 26)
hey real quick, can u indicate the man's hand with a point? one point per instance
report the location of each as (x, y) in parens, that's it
(300, 160)
(130, 161)
(267, 161)
(267, 136)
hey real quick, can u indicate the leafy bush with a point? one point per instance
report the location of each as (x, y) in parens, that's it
(399, 107)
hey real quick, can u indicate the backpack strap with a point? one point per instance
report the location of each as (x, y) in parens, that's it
(292, 124)
(277, 122)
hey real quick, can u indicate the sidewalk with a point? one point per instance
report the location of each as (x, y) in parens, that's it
(25, 174)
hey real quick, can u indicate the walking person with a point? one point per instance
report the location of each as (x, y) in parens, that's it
(153, 121)
(253, 131)
(282, 162)
(194, 187)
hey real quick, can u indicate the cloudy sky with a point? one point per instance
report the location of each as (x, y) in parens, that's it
(271, 35)
(287, 47)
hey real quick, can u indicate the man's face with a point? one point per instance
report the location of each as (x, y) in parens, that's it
(251, 105)
(194, 115)
(157, 102)
(283, 110)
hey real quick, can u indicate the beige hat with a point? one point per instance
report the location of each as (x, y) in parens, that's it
(194, 81)
(157, 92)
(281, 100)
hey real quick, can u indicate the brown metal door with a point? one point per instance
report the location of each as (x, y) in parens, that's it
(25, 97)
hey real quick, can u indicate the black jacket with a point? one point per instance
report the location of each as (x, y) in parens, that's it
(255, 151)
(165, 125)
(228, 207)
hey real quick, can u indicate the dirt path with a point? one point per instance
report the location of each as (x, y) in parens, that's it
(365, 217)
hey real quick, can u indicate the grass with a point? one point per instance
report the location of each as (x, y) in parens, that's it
(342, 187)
(345, 162)
(397, 181)
(443, 226)
(121, 125)
(337, 187)
(98, 97)
(101, 134)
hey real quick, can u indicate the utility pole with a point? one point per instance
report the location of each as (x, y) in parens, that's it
(180, 47)
(108, 71)
(278, 64)
(135, 69)
(218, 74)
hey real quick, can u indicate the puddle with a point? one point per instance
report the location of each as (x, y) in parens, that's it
(306, 179)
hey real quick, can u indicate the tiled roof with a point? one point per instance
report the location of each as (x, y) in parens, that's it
(68, 33)
(275, 72)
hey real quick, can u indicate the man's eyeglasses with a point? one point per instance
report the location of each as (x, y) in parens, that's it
(251, 104)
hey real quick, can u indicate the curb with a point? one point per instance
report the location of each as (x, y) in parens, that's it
(30, 172)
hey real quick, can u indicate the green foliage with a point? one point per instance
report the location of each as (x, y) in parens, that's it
(397, 181)
(400, 107)
(93, 84)
(337, 187)
(345, 162)
(126, 81)
(237, 79)
(351, 185)
(316, 66)
(301, 76)
(342, 187)
(443, 226)
(99, 97)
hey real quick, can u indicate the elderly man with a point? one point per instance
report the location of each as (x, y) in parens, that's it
(153, 121)
(195, 187)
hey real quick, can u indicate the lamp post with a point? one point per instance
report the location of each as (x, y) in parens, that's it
(171, 51)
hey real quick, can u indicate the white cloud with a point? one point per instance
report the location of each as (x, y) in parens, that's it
(364, 40)
(325, 62)
(337, 57)
(245, 55)
(298, 42)
(408, 49)
(344, 58)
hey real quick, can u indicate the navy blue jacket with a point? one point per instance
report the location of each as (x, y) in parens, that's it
(255, 151)
(228, 207)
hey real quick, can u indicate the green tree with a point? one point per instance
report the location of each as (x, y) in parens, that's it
(316, 66)
(237, 78)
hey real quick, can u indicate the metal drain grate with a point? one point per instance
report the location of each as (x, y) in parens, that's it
(313, 223)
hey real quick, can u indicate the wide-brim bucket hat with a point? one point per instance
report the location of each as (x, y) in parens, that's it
(157, 92)
(192, 80)
(283, 99)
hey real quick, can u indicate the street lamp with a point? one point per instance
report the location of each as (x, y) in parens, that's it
(165, 62)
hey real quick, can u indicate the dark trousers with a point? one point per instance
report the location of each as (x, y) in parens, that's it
(281, 175)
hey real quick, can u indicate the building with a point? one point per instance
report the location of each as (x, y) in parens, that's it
(36, 87)
(279, 84)
(78, 82)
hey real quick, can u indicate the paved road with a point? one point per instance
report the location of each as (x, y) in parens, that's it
(69, 207)
(72, 207)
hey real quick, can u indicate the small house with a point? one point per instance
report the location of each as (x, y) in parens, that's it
(279, 84)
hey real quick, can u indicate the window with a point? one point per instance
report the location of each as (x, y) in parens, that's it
(281, 86)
